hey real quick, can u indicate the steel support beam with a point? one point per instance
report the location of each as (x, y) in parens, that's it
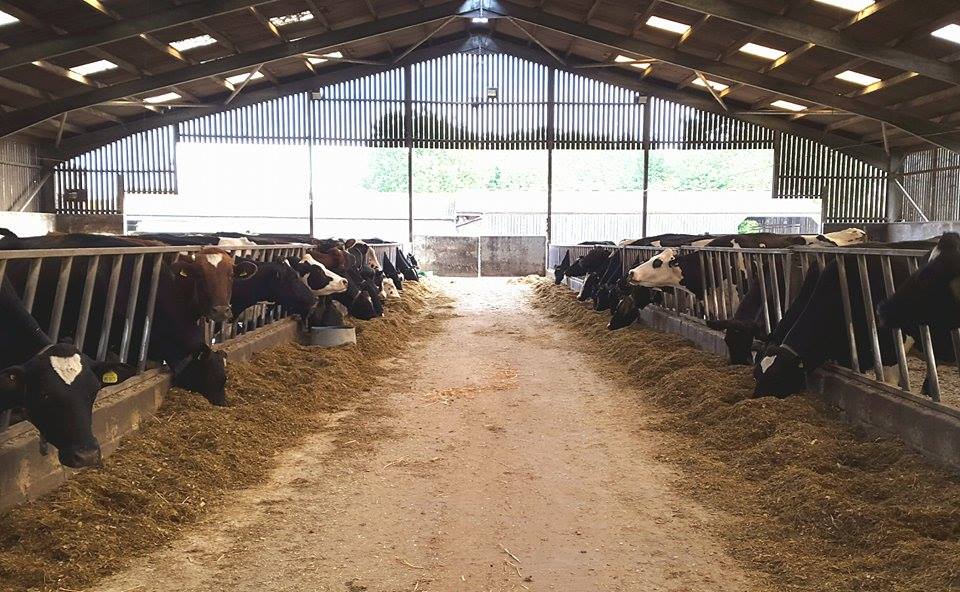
(931, 132)
(128, 27)
(24, 118)
(802, 31)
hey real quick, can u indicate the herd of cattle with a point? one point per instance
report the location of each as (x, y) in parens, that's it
(54, 384)
(813, 328)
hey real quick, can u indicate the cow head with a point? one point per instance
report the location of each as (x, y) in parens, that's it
(561, 270)
(390, 272)
(320, 280)
(626, 311)
(357, 301)
(931, 296)
(778, 372)
(210, 274)
(205, 372)
(388, 290)
(56, 388)
(589, 287)
(739, 336)
(332, 257)
(278, 283)
(670, 270)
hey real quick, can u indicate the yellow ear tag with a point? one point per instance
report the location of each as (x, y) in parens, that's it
(110, 378)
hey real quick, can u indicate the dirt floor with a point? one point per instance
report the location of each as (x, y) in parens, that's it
(502, 461)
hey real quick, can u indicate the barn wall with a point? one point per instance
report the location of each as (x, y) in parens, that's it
(19, 167)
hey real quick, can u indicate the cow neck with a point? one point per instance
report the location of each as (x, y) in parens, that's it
(20, 331)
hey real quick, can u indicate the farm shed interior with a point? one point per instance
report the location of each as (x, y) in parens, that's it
(854, 104)
(111, 113)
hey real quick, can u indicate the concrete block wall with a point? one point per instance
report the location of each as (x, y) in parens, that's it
(512, 255)
(470, 256)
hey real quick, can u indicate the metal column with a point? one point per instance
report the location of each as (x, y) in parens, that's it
(408, 140)
(551, 136)
(646, 162)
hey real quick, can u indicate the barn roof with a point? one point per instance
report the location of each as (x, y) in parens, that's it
(871, 75)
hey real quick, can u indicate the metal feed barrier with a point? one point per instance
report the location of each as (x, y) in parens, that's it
(145, 260)
(728, 273)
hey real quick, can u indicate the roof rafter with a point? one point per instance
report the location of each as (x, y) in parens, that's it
(37, 113)
(827, 38)
(932, 132)
(487, 42)
(123, 29)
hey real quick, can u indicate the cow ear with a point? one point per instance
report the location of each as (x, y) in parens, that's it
(12, 384)
(111, 373)
(244, 269)
(348, 244)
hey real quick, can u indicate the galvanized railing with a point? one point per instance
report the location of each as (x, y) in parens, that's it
(138, 261)
(729, 273)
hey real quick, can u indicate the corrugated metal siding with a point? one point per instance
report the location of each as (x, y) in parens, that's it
(595, 115)
(452, 108)
(680, 127)
(853, 191)
(146, 162)
(19, 166)
(932, 178)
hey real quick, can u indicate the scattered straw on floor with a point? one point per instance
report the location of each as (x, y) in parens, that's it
(181, 463)
(812, 502)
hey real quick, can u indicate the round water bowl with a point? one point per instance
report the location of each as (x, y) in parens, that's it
(331, 336)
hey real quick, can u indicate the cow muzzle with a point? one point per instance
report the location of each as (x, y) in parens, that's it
(221, 313)
(80, 458)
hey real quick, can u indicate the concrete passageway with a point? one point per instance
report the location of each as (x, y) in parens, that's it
(502, 461)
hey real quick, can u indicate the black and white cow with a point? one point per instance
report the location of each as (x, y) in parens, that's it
(814, 330)
(931, 295)
(55, 384)
(187, 291)
(272, 282)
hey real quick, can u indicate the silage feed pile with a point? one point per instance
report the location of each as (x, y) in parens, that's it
(811, 501)
(182, 463)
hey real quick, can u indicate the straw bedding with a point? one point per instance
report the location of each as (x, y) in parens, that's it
(180, 464)
(810, 500)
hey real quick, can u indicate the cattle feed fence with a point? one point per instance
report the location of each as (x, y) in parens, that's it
(728, 274)
(70, 276)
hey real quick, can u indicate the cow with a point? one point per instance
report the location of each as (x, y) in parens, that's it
(316, 277)
(594, 261)
(185, 294)
(274, 282)
(388, 290)
(814, 328)
(931, 295)
(55, 384)
(669, 240)
(390, 272)
(406, 267)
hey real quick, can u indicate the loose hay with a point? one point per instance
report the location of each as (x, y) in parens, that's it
(181, 463)
(813, 502)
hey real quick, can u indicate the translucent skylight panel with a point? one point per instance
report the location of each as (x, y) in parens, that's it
(762, 51)
(668, 25)
(714, 85)
(781, 104)
(192, 42)
(851, 5)
(951, 33)
(93, 67)
(289, 19)
(239, 78)
(164, 98)
(857, 78)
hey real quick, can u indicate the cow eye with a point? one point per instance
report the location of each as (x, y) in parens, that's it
(657, 263)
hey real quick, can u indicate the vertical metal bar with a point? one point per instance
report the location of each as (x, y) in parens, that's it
(761, 277)
(131, 306)
(847, 316)
(408, 142)
(777, 308)
(703, 279)
(93, 266)
(645, 114)
(30, 290)
(109, 307)
(787, 276)
(148, 317)
(897, 334)
(63, 282)
(871, 320)
(551, 137)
